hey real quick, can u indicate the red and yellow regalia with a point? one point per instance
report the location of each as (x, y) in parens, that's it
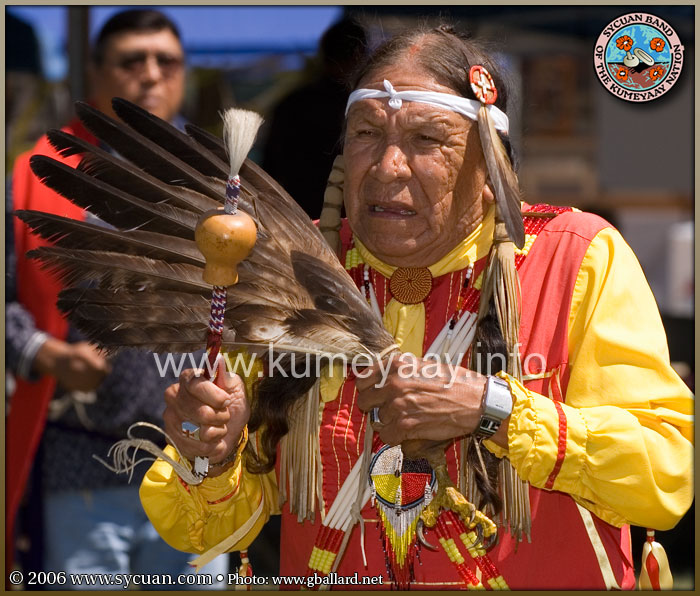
(585, 431)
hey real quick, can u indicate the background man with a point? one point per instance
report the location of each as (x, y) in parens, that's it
(72, 401)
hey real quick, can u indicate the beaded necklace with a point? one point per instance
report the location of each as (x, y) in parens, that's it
(453, 341)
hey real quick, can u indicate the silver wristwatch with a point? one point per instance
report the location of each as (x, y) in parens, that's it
(498, 405)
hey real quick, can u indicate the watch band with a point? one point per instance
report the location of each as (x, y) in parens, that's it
(497, 405)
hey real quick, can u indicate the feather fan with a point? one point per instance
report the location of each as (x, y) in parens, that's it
(292, 290)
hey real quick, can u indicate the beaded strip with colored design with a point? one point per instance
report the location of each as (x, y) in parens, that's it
(325, 550)
(328, 540)
(470, 540)
(219, 293)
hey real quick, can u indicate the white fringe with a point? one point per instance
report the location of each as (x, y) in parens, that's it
(125, 463)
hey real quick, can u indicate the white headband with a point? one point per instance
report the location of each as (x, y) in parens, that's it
(456, 103)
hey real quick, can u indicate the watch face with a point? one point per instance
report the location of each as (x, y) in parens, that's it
(498, 402)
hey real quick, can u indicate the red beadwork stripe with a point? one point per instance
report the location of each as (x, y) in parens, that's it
(464, 572)
(467, 574)
(561, 452)
(484, 562)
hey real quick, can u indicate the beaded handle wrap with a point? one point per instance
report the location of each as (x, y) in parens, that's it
(219, 294)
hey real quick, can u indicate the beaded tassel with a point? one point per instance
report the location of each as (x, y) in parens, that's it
(476, 550)
(245, 570)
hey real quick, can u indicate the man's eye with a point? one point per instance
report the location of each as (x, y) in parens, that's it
(428, 139)
(132, 62)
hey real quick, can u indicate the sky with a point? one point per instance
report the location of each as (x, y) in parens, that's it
(216, 29)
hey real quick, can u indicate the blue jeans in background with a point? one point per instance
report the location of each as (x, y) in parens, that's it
(107, 532)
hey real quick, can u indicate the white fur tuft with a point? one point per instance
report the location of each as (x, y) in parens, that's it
(240, 128)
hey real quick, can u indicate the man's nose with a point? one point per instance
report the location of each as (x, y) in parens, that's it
(392, 164)
(151, 71)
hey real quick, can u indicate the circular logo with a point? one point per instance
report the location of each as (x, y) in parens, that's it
(638, 57)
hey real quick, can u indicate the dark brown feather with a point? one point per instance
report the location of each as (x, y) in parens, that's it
(147, 154)
(114, 270)
(70, 233)
(111, 204)
(71, 298)
(129, 315)
(125, 176)
(207, 140)
(333, 292)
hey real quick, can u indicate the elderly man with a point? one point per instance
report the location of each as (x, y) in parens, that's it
(91, 519)
(579, 429)
(598, 428)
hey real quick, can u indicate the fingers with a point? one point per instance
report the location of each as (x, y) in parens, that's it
(220, 409)
(196, 387)
(369, 376)
(91, 357)
(382, 381)
(199, 401)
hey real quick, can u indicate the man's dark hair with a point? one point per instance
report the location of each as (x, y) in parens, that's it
(132, 21)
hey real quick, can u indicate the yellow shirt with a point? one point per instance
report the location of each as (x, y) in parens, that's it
(629, 420)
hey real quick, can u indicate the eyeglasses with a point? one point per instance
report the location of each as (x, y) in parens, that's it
(135, 63)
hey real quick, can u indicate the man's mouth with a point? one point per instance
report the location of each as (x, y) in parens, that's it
(150, 101)
(387, 211)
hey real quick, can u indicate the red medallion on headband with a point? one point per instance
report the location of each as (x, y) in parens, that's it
(483, 85)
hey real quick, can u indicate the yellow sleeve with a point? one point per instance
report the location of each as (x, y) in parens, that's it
(627, 419)
(196, 518)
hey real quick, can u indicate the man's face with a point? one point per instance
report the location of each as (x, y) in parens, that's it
(146, 68)
(414, 177)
